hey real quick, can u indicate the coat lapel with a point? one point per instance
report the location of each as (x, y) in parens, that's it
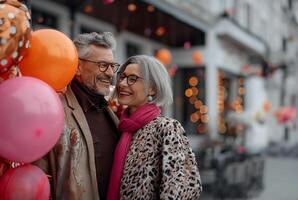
(83, 124)
(79, 116)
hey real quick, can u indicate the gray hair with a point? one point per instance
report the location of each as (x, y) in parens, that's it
(155, 75)
(83, 42)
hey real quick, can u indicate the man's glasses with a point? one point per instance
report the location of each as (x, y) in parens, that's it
(103, 66)
(130, 79)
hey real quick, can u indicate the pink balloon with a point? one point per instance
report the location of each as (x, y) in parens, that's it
(27, 182)
(31, 119)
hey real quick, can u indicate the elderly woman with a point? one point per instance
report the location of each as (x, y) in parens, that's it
(153, 159)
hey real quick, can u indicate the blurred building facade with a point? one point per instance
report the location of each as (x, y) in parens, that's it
(234, 63)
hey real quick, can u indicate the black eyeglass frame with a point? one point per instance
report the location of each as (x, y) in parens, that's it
(128, 78)
(114, 66)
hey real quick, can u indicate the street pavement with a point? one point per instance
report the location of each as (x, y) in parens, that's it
(281, 179)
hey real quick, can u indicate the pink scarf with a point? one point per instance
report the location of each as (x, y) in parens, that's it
(128, 126)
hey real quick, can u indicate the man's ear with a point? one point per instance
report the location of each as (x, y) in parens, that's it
(79, 70)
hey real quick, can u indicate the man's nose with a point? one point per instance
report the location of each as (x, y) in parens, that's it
(110, 71)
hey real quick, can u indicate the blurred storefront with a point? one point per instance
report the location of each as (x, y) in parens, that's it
(233, 53)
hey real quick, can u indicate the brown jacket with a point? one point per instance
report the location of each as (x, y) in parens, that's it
(71, 163)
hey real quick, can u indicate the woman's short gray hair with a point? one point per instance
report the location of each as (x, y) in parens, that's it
(155, 75)
(83, 42)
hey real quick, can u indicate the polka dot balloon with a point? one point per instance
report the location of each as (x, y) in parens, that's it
(15, 33)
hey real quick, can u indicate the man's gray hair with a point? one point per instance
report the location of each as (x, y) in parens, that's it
(83, 42)
(155, 75)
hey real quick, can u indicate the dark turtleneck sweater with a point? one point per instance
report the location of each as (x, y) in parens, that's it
(103, 130)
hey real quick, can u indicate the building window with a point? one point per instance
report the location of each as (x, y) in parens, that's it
(228, 4)
(84, 29)
(248, 16)
(290, 4)
(43, 19)
(230, 98)
(189, 99)
(284, 44)
(132, 49)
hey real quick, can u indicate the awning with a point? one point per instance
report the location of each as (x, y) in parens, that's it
(148, 18)
(228, 30)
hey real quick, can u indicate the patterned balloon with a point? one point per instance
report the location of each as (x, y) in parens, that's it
(15, 33)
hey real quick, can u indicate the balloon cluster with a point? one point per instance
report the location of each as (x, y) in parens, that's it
(47, 54)
(34, 65)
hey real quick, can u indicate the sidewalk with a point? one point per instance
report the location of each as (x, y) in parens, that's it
(281, 179)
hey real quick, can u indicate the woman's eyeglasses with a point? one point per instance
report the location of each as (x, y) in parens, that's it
(130, 79)
(103, 66)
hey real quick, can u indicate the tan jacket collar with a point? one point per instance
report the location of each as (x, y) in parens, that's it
(73, 104)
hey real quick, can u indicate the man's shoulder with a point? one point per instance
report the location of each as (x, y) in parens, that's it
(68, 98)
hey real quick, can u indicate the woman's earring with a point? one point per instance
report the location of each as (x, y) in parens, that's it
(150, 98)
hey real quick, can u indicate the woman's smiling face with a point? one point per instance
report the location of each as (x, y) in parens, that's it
(131, 89)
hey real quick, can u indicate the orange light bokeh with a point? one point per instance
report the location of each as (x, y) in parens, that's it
(193, 81)
(164, 56)
(197, 57)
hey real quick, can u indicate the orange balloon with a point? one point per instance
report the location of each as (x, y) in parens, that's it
(52, 57)
(164, 56)
(197, 57)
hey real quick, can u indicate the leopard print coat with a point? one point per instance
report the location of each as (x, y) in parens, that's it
(160, 164)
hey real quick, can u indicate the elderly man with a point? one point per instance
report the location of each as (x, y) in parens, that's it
(80, 163)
